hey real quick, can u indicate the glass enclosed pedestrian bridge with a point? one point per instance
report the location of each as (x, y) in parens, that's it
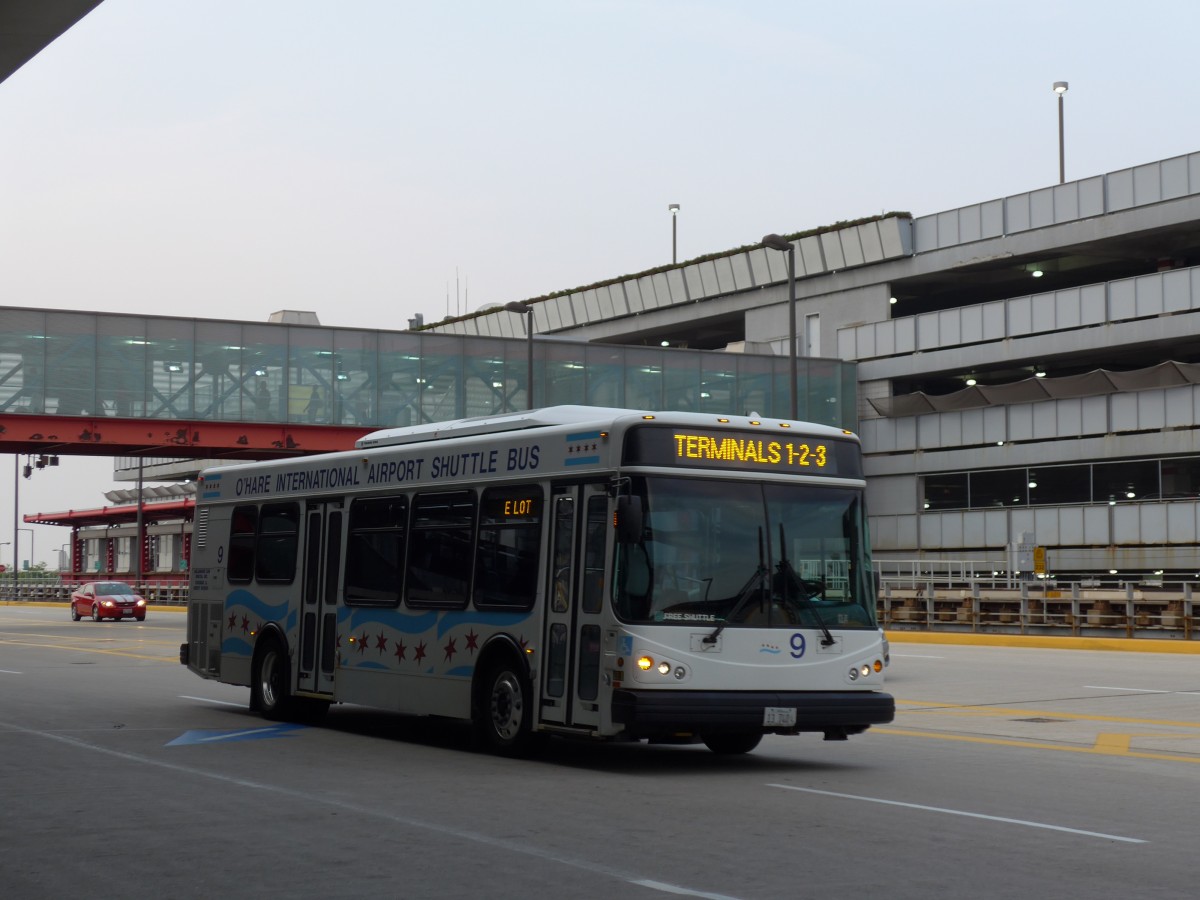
(128, 367)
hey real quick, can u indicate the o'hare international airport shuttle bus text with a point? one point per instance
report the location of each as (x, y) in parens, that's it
(578, 571)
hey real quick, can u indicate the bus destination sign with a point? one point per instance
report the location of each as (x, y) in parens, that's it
(754, 451)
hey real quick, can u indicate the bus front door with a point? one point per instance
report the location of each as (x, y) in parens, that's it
(570, 677)
(322, 575)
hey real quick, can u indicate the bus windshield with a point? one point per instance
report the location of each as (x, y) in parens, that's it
(746, 554)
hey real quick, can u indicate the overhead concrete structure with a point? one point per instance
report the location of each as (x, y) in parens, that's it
(28, 26)
(1027, 365)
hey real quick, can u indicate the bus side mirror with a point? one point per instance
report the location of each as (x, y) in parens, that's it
(628, 519)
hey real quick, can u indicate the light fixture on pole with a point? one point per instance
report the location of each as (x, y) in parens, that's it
(1060, 88)
(520, 306)
(674, 208)
(775, 242)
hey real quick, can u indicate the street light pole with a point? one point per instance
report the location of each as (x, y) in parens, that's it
(1060, 88)
(519, 306)
(674, 208)
(775, 242)
(16, 515)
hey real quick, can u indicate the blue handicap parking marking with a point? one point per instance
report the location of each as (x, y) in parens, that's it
(226, 737)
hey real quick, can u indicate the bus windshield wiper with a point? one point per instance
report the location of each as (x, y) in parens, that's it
(802, 593)
(754, 582)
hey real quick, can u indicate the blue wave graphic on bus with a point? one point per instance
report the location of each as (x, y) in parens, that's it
(409, 623)
(405, 623)
(460, 671)
(454, 620)
(268, 612)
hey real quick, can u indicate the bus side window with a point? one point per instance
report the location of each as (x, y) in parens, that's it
(242, 528)
(375, 551)
(278, 543)
(593, 562)
(635, 582)
(441, 550)
(508, 546)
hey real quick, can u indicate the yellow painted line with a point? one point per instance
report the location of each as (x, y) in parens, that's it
(1027, 713)
(1100, 748)
(77, 649)
(1114, 743)
(1066, 642)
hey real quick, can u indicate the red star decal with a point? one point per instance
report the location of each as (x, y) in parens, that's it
(245, 624)
(380, 644)
(450, 649)
(232, 621)
(472, 640)
(362, 642)
(339, 640)
(420, 652)
(401, 650)
(523, 641)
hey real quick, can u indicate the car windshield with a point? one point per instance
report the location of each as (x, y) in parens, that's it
(735, 553)
(112, 588)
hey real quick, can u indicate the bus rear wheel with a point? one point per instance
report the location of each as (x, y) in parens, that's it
(270, 695)
(503, 715)
(731, 744)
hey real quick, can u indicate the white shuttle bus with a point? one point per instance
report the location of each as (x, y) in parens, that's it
(599, 573)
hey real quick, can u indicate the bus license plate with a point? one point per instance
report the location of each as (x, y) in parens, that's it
(779, 715)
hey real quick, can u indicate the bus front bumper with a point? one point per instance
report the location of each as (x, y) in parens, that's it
(665, 713)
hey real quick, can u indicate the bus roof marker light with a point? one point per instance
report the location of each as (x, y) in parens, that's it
(755, 422)
(785, 424)
(723, 420)
(647, 417)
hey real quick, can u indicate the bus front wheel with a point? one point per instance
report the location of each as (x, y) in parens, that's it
(730, 744)
(503, 714)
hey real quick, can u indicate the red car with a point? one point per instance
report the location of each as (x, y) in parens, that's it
(107, 600)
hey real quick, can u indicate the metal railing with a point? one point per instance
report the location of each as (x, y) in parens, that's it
(970, 597)
(51, 590)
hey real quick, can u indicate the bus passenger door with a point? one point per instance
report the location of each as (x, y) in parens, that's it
(322, 577)
(570, 679)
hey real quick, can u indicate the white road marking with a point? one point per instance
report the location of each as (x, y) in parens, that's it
(675, 889)
(9, 672)
(210, 700)
(510, 846)
(1101, 687)
(959, 812)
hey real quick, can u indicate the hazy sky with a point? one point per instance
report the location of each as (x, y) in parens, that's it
(374, 159)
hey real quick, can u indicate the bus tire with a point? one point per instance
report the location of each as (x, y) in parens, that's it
(728, 744)
(270, 694)
(503, 709)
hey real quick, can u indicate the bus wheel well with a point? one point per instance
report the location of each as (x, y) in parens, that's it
(502, 701)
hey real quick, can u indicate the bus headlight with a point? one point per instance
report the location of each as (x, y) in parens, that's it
(655, 670)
